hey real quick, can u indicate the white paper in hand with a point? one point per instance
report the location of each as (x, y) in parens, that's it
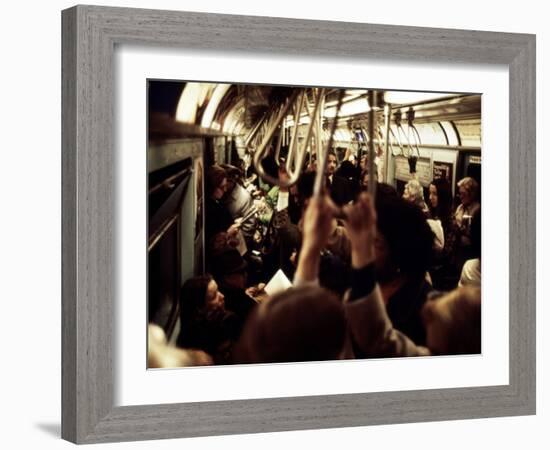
(278, 283)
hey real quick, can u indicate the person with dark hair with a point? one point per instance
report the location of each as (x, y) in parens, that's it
(216, 181)
(311, 165)
(414, 193)
(444, 273)
(351, 174)
(230, 271)
(306, 323)
(217, 216)
(335, 256)
(338, 243)
(340, 190)
(220, 242)
(271, 167)
(403, 255)
(239, 203)
(440, 199)
(305, 189)
(452, 323)
(232, 173)
(287, 199)
(364, 179)
(282, 237)
(205, 323)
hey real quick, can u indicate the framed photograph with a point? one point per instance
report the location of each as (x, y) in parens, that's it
(144, 156)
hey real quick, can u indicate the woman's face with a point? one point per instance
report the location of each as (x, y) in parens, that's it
(433, 196)
(220, 190)
(408, 194)
(331, 164)
(214, 298)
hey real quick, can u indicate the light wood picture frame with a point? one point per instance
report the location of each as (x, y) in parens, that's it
(89, 35)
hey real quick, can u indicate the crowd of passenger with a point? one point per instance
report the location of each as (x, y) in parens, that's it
(394, 275)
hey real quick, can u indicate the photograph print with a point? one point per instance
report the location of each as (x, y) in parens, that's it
(294, 224)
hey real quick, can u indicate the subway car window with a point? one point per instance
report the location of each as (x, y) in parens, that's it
(311, 223)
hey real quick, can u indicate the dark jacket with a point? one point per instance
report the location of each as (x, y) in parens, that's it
(404, 309)
(340, 189)
(214, 335)
(238, 302)
(217, 218)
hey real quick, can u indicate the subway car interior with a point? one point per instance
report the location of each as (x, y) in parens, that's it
(302, 223)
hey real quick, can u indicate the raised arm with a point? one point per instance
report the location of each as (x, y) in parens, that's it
(317, 228)
(370, 328)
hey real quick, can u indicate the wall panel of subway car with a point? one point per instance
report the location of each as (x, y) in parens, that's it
(302, 224)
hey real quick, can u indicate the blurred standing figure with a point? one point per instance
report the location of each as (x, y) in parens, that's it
(468, 190)
(351, 174)
(340, 189)
(230, 271)
(161, 355)
(403, 249)
(205, 323)
(217, 215)
(239, 202)
(414, 194)
(365, 179)
(444, 272)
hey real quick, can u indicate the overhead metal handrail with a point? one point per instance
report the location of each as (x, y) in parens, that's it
(254, 131)
(412, 154)
(401, 135)
(293, 146)
(415, 152)
(296, 159)
(317, 129)
(279, 143)
(410, 151)
(320, 175)
(296, 153)
(366, 136)
(261, 152)
(415, 134)
(395, 138)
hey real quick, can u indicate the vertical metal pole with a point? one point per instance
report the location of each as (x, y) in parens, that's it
(371, 128)
(319, 129)
(359, 147)
(387, 110)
